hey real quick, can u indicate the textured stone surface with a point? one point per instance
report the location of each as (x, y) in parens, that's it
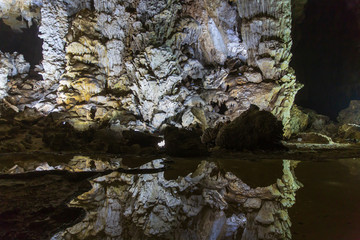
(299, 120)
(11, 65)
(206, 204)
(182, 63)
(21, 13)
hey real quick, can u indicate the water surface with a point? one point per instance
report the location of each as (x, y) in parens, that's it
(327, 206)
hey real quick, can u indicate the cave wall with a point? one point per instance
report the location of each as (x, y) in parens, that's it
(146, 64)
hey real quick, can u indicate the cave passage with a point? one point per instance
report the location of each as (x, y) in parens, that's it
(26, 42)
(326, 55)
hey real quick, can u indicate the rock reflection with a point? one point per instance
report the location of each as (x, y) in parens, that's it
(207, 204)
(352, 164)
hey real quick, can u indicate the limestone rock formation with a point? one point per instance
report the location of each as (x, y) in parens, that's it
(299, 120)
(207, 204)
(180, 63)
(11, 65)
(20, 14)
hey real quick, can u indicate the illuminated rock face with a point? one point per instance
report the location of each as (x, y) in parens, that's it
(11, 65)
(18, 14)
(207, 204)
(178, 63)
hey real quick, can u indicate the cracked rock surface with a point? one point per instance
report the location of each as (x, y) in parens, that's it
(180, 63)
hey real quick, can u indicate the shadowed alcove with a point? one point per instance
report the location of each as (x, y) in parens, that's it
(326, 55)
(26, 42)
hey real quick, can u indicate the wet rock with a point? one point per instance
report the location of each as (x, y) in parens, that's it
(254, 129)
(183, 143)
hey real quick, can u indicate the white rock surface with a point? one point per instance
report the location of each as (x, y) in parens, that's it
(150, 56)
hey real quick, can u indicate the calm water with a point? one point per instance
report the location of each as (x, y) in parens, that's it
(327, 207)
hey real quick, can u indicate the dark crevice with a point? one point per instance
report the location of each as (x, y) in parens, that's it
(222, 109)
(26, 42)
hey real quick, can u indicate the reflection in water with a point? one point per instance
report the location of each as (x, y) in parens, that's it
(207, 204)
(353, 164)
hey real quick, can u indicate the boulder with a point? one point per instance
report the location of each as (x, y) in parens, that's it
(350, 114)
(254, 129)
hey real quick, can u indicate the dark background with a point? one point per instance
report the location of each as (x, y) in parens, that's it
(326, 55)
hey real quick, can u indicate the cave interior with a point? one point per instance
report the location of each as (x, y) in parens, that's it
(149, 119)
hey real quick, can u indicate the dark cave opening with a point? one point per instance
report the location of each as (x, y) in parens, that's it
(26, 42)
(326, 55)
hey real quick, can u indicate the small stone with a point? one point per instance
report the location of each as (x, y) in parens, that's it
(265, 215)
(254, 203)
(254, 77)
